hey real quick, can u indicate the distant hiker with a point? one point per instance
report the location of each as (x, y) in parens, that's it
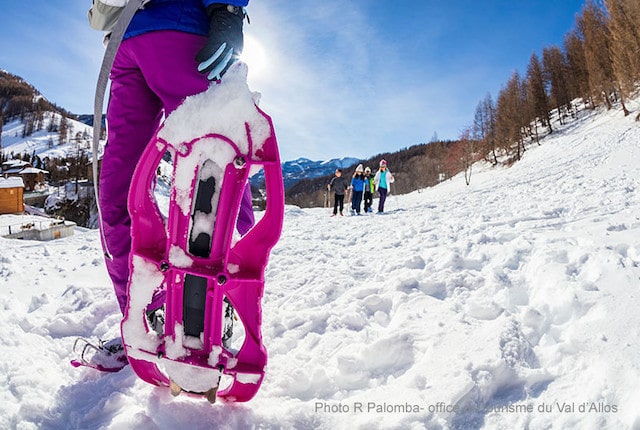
(383, 181)
(369, 188)
(357, 186)
(339, 186)
(170, 50)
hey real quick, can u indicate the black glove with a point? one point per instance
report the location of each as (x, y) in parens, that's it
(225, 40)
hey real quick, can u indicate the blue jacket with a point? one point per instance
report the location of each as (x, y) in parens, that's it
(357, 183)
(182, 15)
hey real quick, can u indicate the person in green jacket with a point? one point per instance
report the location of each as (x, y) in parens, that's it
(369, 188)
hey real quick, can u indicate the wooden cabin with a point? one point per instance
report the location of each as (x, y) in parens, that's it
(11, 195)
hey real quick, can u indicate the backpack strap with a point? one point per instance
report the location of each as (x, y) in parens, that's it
(101, 87)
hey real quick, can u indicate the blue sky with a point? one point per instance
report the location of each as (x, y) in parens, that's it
(339, 78)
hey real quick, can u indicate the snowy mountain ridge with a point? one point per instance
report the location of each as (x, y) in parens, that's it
(509, 303)
(45, 143)
(304, 168)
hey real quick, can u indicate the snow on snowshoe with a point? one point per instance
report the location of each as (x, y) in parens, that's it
(211, 277)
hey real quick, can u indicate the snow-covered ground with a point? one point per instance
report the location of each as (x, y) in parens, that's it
(511, 303)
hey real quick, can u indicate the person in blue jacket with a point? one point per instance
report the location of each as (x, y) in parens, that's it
(357, 188)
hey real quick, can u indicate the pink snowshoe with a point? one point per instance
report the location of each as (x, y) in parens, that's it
(191, 255)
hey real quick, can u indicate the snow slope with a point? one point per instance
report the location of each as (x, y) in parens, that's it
(45, 143)
(511, 303)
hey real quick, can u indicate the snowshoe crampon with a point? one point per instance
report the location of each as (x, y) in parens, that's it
(191, 255)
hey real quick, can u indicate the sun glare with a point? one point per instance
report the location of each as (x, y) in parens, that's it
(254, 56)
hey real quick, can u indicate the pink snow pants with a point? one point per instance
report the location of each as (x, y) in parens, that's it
(151, 75)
